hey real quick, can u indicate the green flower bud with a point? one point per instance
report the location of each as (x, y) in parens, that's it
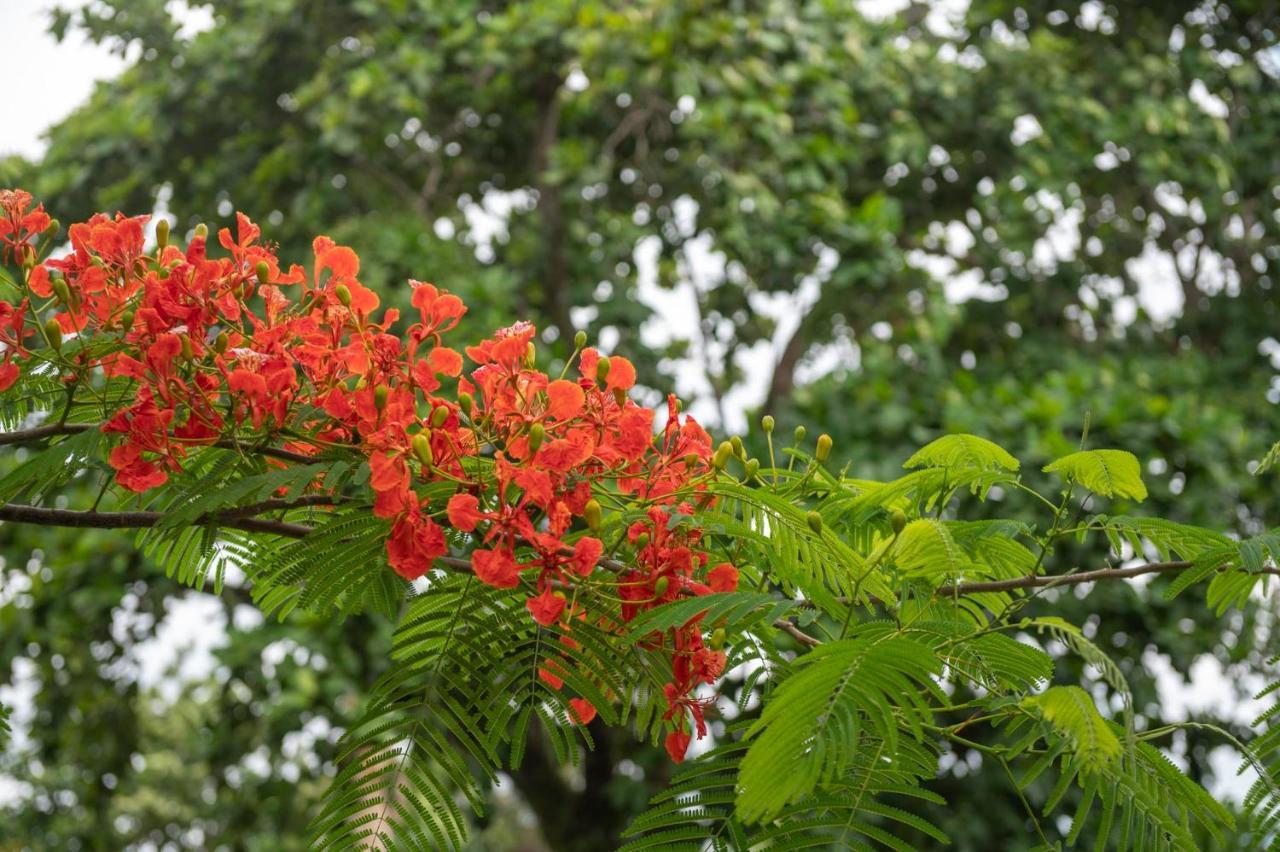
(536, 434)
(530, 355)
(823, 449)
(162, 233)
(61, 290)
(54, 227)
(466, 402)
(717, 639)
(591, 514)
(126, 320)
(720, 459)
(263, 271)
(620, 397)
(380, 397)
(602, 370)
(660, 587)
(642, 541)
(439, 415)
(815, 521)
(800, 433)
(736, 443)
(897, 520)
(201, 231)
(422, 449)
(188, 351)
(54, 332)
(220, 342)
(766, 423)
(580, 340)
(752, 467)
(343, 294)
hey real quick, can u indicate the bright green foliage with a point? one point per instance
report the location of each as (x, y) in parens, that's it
(1111, 473)
(1072, 712)
(963, 451)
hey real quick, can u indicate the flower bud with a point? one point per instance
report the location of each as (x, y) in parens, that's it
(620, 397)
(466, 402)
(61, 290)
(823, 449)
(263, 272)
(380, 397)
(720, 459)
(591, 513)
(815, 521)
(752, 467)
(660, 587)
(691, 460)
(736, 443)
(188, 351)
(717, 639)
(530, 355)
(343, 294)
(800, 433)
(642, 541)
(162, 233)
(602, 370)
(580, 340)
(201, 231)
(220, 342)
(766, 423)
(126, 320)
(897, 520)
(54, 227)
(422, 449)
(536, 433)
(54, 332)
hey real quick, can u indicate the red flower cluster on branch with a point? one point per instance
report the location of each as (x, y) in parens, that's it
(238, 348)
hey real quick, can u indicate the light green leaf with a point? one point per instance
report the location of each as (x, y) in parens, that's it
(1111, 473)
(1072, 712)
(963, 451)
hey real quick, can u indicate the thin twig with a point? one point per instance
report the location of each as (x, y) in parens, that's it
(37, 433)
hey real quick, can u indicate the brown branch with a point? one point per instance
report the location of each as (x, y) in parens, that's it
(37, 433)
(18, 513)
(1051, 580)
(796, 633)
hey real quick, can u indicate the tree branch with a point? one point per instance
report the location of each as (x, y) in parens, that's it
(1049, 580)
(37, 433)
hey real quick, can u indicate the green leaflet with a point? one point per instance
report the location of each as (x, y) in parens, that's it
(963, 451)
(1072, 711)
(877, 684)
(1111, 473)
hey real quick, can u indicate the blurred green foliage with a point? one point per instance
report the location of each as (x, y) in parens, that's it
(519, 152)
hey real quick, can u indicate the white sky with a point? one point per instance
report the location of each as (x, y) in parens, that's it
(58, 76)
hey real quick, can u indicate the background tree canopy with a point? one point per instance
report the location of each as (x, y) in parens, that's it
(882, 226)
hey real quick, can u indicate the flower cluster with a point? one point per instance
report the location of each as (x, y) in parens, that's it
(238, 349)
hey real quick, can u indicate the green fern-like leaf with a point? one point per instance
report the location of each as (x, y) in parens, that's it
(1072, 711)
(876, 684)
(1111, 473)
(1269, 461)
(961, 451)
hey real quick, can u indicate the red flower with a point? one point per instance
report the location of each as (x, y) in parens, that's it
(677, 743)
(723, 578)
(414, 544)
(546, 607)
(582, 710)
(586, 553)
(496, 567)
(464, 512)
